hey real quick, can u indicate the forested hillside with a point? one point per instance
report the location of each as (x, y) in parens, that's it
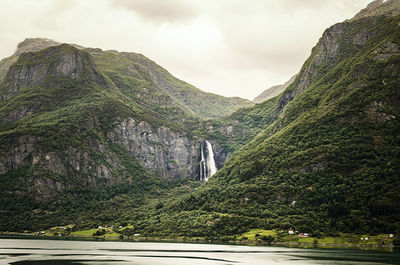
(91, 137)
(330, 162)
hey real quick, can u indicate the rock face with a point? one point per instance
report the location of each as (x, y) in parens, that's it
(59, 93)
(164, 152)
(64, 61)
(337, 42)
(54, 171)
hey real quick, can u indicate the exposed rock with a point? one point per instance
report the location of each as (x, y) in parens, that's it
(19, 155)
(30, 70)
(44, 188)
(164, 152)
(375, 112)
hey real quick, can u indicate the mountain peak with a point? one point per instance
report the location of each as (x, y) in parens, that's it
(379, 8)
(34, 44)
(49, 67)
(37, 44)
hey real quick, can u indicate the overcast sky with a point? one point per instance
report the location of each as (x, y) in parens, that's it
(229, 47)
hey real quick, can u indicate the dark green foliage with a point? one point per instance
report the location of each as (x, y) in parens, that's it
(268, 238)
(321, 158)
(331, 160)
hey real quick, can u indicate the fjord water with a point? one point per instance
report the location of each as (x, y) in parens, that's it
(57, 252)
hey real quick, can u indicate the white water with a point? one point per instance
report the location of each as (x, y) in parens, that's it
(207, 163)
(211, 162)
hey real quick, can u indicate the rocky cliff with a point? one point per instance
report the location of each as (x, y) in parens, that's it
(163, 151)
(61, 61)
(64, 124)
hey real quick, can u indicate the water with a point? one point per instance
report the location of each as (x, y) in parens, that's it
(211, 161)
(207, 162)
(57, 252)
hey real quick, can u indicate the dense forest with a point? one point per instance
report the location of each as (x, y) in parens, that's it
(91, 137)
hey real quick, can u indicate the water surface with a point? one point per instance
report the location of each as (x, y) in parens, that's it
(56, 252)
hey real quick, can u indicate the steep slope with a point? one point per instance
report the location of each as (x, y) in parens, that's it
(143, 80)
(156, 125)
(330, 162)
(151, 82)
(66, 129)
(273, 91)
(28, 45)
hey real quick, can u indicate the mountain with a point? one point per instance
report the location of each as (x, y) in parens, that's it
(91, 137)
(129, 70)
(330, 160)
(76, 118)
(273, 91)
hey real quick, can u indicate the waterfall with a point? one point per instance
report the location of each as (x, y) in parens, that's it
(202, 165)
(211, 162)
(207, 162)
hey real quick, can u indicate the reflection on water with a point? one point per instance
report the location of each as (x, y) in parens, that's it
(46, 252)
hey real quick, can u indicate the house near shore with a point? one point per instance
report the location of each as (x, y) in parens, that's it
(303, 235)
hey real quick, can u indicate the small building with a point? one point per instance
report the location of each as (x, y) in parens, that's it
(291, 232)
(303, 235)
(391, 235)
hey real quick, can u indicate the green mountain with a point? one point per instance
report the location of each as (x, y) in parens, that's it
(330, 160)
(74, 118)
(91, 137)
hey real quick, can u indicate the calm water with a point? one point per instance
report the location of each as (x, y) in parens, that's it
(35, 252)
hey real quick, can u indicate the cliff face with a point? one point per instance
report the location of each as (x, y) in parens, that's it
(339, 42)
(162, 151)
(49, 172)
(63, 61)
(63, 126)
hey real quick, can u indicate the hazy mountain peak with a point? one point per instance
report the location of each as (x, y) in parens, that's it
(34, 44)
(273, 91)
(378, 8)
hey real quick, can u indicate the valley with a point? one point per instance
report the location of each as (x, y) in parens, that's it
(92, 138)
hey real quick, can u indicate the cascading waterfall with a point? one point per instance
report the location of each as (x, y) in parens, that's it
(211, 162)
(207, 162)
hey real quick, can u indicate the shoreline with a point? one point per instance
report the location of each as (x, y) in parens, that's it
(371, 247)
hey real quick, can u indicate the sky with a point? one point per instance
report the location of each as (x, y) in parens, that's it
(228, 47)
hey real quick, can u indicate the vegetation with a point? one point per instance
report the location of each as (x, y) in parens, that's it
(321, 158)
(330, 162)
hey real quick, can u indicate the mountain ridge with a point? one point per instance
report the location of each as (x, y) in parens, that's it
(328, 161)
(322, 156)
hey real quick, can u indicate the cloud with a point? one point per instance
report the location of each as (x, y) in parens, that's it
(159, 11)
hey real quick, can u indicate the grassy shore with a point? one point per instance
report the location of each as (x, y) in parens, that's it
(252, 237)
